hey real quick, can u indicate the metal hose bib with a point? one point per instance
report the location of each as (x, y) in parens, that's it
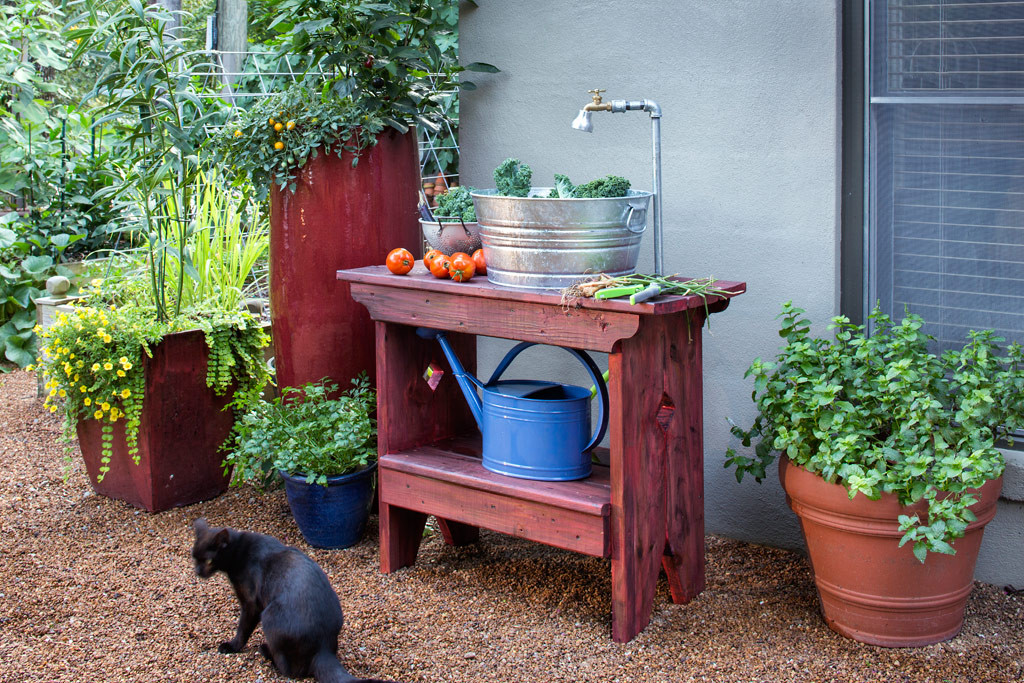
(583, 123)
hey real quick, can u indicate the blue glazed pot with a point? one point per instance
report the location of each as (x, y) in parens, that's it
(332, 516)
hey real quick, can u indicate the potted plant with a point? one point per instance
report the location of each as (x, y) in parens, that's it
(452, 226)
(890, 461)
(146, 367)
(325, 450)
(338, 152)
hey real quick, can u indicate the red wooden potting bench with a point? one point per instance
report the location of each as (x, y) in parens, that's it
(644, 511)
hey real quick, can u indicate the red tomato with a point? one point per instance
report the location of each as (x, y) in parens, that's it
(400, 261)
(439, 266)
(430, 256)
(462, 267)
(480, 262)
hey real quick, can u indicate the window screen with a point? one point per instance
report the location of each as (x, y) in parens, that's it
(946, 164)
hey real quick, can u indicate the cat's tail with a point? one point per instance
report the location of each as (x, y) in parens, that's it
(327, 669)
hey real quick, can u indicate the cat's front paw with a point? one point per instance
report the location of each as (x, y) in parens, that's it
(227, 648)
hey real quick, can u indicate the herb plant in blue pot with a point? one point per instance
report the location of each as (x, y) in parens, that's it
(324, 449)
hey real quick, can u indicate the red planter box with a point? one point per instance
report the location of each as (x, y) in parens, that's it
(338, 217)
(182, 427)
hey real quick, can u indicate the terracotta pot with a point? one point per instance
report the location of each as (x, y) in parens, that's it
(182, 426)
(339, 216)
(870, 589)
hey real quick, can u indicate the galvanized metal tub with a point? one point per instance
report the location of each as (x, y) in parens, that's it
(539, 243)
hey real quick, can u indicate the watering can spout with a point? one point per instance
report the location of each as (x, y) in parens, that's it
(467, 382)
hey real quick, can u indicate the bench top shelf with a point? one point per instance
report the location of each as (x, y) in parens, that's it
(420, 279)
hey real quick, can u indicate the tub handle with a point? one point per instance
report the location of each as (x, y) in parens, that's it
(642, 222)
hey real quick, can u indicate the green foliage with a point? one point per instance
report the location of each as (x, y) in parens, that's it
(563, 188)
(313, 122)
(512, 178)
(228, 235)
(92, 358)
(148, 87)
(608, 186)
(392, 58)
(305, 432)
(881, 413)
(456, 203)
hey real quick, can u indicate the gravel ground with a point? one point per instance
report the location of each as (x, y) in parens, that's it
(93, 590)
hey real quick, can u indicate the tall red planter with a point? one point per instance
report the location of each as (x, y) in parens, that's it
(338, 217)
(182, 426)
(872, 590)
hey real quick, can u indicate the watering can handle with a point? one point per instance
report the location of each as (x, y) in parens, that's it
(592, 370)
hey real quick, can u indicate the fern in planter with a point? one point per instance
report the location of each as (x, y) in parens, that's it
(880, 413)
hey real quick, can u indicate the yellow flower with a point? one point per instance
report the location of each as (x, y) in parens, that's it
(122, 360)
(53, 409)
(95, 367)
(107, 338)
(120, 373)
(114, 414)
(108, 365)
(79, 363)
(98, 414)
(127, 366)
(83, 390)
(238, 133)
(125, 393)
(72, 356)
(62, 393)
(87, 401)
(53, 392)
(30, 368)
(76, 376)
(105, 405)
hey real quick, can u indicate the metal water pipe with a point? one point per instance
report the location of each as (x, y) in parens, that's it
(583, 122)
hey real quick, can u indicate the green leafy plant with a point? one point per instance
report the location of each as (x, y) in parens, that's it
(228, 237)
(608, 186)
(149, 88)
(512, 178)
(305, 432)
(368, 66)
(880, 413)
(456, 204)
(275, 138)
(92, 357)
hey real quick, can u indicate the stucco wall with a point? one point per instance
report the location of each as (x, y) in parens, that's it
(750, 94)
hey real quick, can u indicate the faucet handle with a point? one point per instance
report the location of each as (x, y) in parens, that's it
(597, 95)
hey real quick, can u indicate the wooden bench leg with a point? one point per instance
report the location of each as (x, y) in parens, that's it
(400, 533)
(457, 533)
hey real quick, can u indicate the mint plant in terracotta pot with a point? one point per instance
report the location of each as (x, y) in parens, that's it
(890, 461)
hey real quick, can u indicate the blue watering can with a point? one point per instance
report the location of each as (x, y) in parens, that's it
(532, 429)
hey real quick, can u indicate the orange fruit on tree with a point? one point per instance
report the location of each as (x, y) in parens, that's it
(462, 267)
(480, 262)
(400, 261)
(278, 145)
(278, 127)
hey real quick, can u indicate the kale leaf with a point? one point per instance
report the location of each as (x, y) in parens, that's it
(513, 178)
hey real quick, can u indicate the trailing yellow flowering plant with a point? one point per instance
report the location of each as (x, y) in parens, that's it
(92, 359)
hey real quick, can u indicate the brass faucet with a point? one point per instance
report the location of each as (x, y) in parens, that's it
(596, 105)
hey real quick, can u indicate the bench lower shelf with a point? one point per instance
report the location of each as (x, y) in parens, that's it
(446, 480)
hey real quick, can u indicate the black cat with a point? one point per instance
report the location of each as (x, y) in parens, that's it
(286, 590)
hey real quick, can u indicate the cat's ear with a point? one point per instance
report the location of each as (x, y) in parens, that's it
(222, 538)
(200, 526)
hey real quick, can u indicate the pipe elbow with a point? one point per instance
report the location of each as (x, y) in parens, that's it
(653, 108)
